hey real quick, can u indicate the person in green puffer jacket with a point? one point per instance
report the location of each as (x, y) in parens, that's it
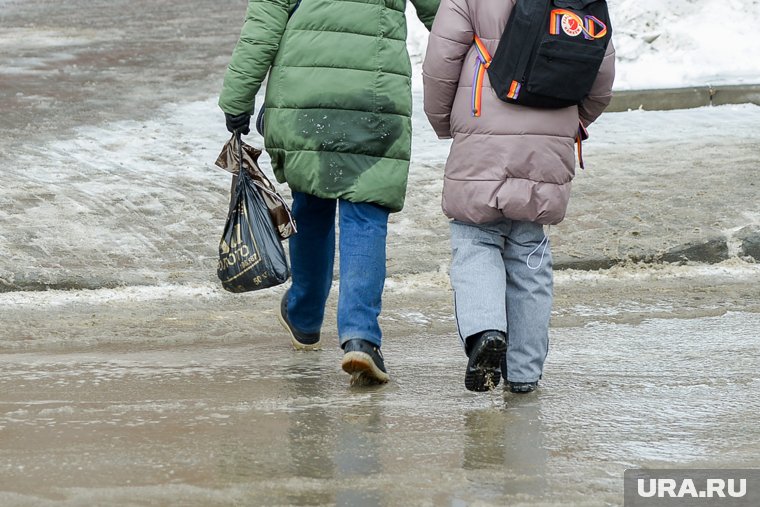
(338, 130)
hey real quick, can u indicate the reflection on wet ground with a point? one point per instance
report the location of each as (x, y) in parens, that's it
(260, 424)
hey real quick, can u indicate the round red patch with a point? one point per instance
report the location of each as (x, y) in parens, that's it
(571, 25)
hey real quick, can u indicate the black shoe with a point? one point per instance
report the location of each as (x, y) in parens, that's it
(483, 368)
(364, 362)
(522, 387)
(515, 387)
(300, 341)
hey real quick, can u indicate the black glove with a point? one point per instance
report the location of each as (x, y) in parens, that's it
(240, 123)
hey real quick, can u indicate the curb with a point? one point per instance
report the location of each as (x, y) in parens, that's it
(743, 244)
(667, 99)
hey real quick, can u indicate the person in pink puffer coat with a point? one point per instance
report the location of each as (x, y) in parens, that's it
(508, 174)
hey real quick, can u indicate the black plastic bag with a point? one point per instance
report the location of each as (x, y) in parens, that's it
(251, 256)
(229, 160)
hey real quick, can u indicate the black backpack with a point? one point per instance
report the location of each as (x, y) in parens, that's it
(550, 52)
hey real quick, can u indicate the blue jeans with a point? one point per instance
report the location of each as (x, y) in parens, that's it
(501, 273)
(363, 230)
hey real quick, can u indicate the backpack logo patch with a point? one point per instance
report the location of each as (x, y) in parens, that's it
(573, 25)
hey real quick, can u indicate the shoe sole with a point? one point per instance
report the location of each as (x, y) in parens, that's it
(483, 375)
(363, 369)
(296, 344)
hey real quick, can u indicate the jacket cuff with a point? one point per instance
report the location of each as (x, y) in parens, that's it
(441, 125)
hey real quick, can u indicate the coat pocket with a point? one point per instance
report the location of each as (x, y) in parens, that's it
(564, 69)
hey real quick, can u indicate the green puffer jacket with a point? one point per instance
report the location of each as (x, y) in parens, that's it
(338, 100)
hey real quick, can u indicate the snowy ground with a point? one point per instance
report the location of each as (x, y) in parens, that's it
(141, 202)
(108, 178)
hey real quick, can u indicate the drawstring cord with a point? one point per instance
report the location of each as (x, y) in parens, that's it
(545, 244)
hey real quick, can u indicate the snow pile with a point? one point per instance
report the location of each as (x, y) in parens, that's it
(686, 42)
(670, 44)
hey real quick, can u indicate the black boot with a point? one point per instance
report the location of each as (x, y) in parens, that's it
(522, 387)
(485, 352)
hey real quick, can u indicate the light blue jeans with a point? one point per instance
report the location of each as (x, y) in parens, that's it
(363, 231)
(501, 273)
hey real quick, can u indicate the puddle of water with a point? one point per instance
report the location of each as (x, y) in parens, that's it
(225, 424)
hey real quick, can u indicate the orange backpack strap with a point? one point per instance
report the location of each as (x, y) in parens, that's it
(484, 60)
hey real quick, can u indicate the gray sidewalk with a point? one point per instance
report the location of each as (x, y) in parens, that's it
(685, 98)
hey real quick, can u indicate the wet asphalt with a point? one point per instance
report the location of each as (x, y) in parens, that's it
(141, 383)
(196, 398)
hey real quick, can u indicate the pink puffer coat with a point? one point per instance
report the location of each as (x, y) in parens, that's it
(511, 161)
